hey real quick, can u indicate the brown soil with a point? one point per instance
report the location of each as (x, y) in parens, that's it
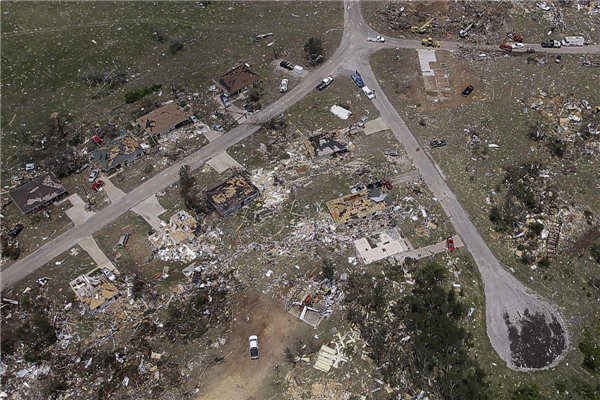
(584, 242)
(238, 377)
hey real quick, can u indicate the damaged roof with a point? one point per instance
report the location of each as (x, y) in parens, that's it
(120, 151)
(232, 194)
(357, 206)
(162, 120)
(37, 192)
(237, 78)
(326, 145)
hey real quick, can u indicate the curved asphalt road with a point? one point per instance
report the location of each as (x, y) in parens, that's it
(505, 295)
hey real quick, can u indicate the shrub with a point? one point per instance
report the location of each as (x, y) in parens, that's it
(328, 269)
(595, 251)
(527, 393)
(557, 148)
(136, 95)
(175, 45)
(544, 262)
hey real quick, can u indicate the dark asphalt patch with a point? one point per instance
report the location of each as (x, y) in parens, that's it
(535, 341)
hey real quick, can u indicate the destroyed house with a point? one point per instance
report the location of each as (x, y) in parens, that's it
(325, 145)
(176, 240)
(231, 195)
(117, 153)
(162, 120)
(237, 79)
(358, 206)
(38, 192)
(94, 290)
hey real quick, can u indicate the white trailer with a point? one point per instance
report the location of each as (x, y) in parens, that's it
(573, 41)
(371, 37)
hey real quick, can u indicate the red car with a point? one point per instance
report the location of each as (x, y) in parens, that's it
(450, 243)
(97, 185)
(387, 184)
(97, 140)
(506, 47)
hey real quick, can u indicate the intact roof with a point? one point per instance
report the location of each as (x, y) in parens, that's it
(37, 192)
(325, 144)
(112, 154)
(162, 119)
(237, 78)
(355, 206)
(233, 191)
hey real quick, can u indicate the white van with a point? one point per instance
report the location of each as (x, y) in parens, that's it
(573, 41)
(123, 240)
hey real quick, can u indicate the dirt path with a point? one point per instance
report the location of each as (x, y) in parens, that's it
(238, 377)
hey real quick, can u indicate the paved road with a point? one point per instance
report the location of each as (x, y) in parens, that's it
(505, 295)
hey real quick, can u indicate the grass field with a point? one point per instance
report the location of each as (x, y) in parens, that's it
(503, 88)
(48, 46)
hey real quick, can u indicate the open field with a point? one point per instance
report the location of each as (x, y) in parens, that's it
(495, 113)
(47, 47)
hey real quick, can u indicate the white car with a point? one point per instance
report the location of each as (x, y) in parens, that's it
(543, 6)
(193, 119)
(586, 104)
(517, 45)
(358, 189)
(253, 342)
(93, 175)
(324, 83)
(283, 86)
(370, 94)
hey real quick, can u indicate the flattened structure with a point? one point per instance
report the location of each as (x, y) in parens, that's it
(121, 151)
(355, 207)
(325, 145)
(162, 120)
(37, 192)
(231, 195)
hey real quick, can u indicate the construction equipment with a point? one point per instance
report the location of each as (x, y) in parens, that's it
(464, 32)
(423, 29)
(429, 42)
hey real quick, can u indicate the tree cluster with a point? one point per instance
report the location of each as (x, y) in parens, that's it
(436, 355)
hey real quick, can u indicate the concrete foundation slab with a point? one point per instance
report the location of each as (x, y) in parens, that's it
(89, 244)
(222, 162)
(150, 209)
(377, 125)
(78, 213)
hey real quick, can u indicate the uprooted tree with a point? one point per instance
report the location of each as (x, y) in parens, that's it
(314, 49)
(189, 193)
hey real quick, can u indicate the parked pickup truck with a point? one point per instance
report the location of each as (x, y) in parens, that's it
(371, 37)
(551, 43)
(356, 78)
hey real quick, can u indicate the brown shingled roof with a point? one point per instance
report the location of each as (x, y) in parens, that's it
(236, 79)
(162, 119)
(37, 192)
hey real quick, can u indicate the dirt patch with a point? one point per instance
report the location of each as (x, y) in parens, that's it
(584, 242)
(237, 376)
(535, 342)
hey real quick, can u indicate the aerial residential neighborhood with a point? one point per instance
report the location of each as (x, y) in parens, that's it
(300, 200)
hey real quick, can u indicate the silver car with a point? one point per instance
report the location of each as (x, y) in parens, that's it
(94, 175)
(283, 86)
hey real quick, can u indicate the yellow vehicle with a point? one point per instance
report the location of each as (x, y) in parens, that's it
(598, 110)
(423, 29)
(429, 42)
